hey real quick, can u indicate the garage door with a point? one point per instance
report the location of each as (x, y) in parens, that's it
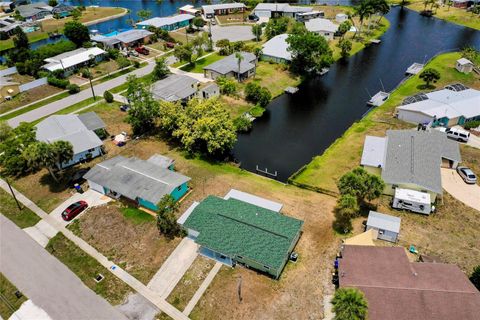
(96, 187)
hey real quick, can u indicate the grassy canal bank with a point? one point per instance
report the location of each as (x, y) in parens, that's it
(89, 16)
(344, 154)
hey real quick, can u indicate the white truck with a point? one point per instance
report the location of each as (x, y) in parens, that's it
(413, 200)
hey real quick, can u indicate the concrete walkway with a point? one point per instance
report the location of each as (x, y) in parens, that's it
(42, 232)
(203, 287)
(46, 281)
(173, 269)
(147, 293)
(469, 194)
(29, 310)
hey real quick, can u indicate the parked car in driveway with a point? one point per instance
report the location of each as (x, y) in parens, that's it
(74, 210)
(456, 134)
(142, 50)
(467, 175)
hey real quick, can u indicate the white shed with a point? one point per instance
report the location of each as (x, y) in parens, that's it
(386, 226)
(341, 17)
(464, 65)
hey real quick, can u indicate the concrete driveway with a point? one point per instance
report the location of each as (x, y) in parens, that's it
(173, 269)
(474, 141)
(467, 193)
(232, 33)
(93, 198)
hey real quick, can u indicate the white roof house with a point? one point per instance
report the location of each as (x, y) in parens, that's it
(322, 26)
(159, 22)
(463, 61)
(277, 47)
(72, 58)
(210, 9)
(453, 102)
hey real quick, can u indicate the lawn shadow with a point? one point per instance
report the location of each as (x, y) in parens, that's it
(55, 186)
(426, 87)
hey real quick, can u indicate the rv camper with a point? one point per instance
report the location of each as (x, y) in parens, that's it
(412, 200)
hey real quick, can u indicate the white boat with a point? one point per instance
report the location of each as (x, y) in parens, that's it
(291, 90)
(378, 99)
(375, 41)
(414, 69)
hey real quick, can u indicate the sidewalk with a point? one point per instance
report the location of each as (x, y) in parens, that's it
(116, 270)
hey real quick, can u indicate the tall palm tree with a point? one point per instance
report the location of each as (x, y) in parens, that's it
(62, 151)
(40, 155)
(363, 11)
(239, 57)
(349, 304)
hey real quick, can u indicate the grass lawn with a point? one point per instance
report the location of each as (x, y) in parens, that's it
(200, 63)
(86, 268)
(30, 96)
(7, 291)
(234, 105)
(22, 218)
(136, 216)
(56, 25)
(190, 282)
(454, 15)
(345, 153)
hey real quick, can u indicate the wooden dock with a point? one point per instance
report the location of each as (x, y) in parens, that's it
(378, 99)
(291, 90)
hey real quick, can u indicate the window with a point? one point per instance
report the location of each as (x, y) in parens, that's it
(179, 188)
(267, 267)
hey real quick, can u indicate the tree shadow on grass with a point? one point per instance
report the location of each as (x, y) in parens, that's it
(55, 186)
(426, 87)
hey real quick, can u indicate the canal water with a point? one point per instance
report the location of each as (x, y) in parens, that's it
(297, 127)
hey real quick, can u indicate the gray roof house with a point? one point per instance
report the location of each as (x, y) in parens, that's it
(228, 67)
(128, 38)
(35, 11)
(222, 9)
(322, 26)
(175, 87)
(144, 181)
(387, 227)
(276, 49)
(78, 130)
(411, 159)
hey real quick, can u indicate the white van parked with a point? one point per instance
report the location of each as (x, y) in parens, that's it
(456, 133)
(413, 200)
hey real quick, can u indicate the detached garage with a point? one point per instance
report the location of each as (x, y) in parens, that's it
(387, 227)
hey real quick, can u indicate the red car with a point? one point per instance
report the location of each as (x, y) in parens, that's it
(170, 45)
(74, 210)
(142, 50)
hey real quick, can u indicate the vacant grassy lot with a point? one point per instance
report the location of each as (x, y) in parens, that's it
(236, 106)
(23, 218)
(190, 282)
(30, 96)
(86, 268)
(200, 63)
(345, 153)
(7, 290)
(451, 14)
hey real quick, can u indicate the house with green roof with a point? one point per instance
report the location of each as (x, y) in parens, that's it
(243, 230)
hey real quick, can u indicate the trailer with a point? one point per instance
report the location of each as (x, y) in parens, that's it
(413, 200)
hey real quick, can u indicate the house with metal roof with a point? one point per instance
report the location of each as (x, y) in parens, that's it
(243, 229)
(79, 130)
(168, 23)
(126, 39)
(323, 27)
(276, 49)
(8, 25)
(189, 9)
(175, 87)
(397, 289)
(411, 159)
(455, 104)
(222, 9)
(8, 88)
(385, 227)
(228, 67)
(145, 182)
(34, 11)
(275, 10)
(73, 60)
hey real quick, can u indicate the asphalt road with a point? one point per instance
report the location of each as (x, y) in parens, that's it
(75, 98)
(46, 281)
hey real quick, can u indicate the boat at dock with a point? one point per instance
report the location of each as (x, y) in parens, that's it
(378, 99)
(291, 90)
(414, 69)
(375, 41)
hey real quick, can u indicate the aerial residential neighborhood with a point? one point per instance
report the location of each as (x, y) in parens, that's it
(239, 159)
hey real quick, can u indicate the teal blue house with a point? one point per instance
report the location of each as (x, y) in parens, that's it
(144, 182)
(62, 10)
(168, 23)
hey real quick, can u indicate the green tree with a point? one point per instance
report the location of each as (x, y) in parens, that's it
(257, 94)
(44, 155)
(108, 96)
(144, 109)
(276, 26)
(361, 184)
(198, 22)
(76, 14)
(429, 75)
(184, 53)
(205, 126)
(5, 131)
(344, 27)
(257, 31)
(12, 146)
(52, 3)
(161, 69)
(345, 48)
(166, 217)
(475, 277)
(62, 152)
(227, 85)
(346, 209)
(20, 39)
(363, 11)
(224, 46)
(144, 14)
(239, 57)
(310, 52)
(349, 304)
(170, 115)
(76, 32)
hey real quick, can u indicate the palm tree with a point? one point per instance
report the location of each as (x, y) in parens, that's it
(349, 304)
(40, 155)
(381, 8)
(239, 57)
(62, 151)
(363, 11)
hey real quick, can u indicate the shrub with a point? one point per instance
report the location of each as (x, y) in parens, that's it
(86, 73)
(227, 85)
(136, 64)
(471, 124)
(257, 94)
(59, 83)
(242, 124)
(112, 53)
(122, 62)
(108, 96)
(73, 88)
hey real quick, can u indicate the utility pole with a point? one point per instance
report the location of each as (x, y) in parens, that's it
(239, 290)
(90, 79)
(13, 194)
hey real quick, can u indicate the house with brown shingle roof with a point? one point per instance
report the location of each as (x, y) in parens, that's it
(397, 289)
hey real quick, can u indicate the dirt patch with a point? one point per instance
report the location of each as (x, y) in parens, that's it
(28, 97)
(137, 247)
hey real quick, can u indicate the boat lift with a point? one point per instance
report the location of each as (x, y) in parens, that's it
(414, 69)
(379, 98)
